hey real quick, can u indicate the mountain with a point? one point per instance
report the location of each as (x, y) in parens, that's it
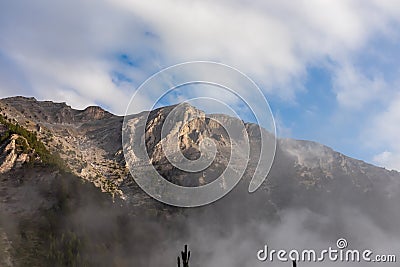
(64, 180)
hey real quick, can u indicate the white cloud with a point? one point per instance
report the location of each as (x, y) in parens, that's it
(354, 90)
(388, 159)
(387, 123)
(274, 42)
(68, 51)
(383, 133)
(69, 47)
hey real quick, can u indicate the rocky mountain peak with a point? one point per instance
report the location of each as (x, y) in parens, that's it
(20, 108)
(94, 113)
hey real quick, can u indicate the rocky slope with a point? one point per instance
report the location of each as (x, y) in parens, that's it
(89, 141)
(54, 141)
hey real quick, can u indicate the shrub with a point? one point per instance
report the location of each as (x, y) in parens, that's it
(31, 137)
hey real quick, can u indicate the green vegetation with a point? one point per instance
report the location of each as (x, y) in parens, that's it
(31, 137)
(22, 145)
(4, 137)
(65, 250)
(64, 245)
(48, 238)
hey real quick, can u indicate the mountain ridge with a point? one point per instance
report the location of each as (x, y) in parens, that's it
(93, 136)
(50, 214)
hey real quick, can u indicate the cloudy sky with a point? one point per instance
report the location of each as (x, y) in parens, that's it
(329, 69)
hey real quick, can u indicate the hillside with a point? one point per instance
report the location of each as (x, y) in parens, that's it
(63, 173)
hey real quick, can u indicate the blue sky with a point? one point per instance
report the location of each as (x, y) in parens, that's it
(329, 69)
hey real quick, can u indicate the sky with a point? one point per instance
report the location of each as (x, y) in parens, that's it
(329, 69)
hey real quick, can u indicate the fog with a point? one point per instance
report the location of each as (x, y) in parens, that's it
(229, 232)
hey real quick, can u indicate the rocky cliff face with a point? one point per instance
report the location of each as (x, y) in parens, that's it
(87, 140)
(15, 153)
(89, 143)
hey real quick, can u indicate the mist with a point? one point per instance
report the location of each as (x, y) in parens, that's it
(55, 219)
